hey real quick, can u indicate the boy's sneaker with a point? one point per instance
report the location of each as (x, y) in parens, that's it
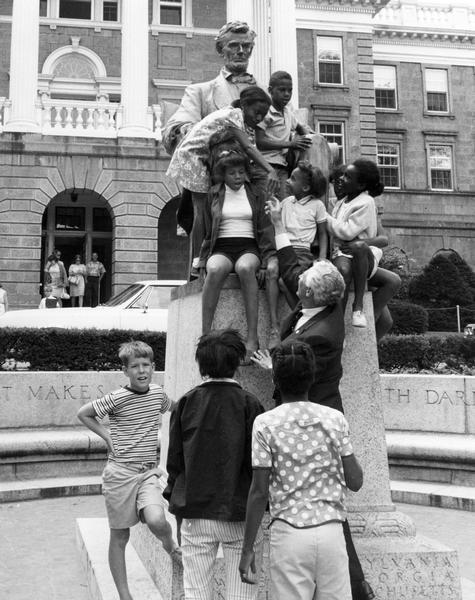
(359, 319)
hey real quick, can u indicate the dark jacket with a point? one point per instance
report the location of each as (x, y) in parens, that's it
(325, 333)
(209, 454)
(263, 230)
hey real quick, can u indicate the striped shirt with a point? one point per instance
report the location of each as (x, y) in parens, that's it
(135, 418)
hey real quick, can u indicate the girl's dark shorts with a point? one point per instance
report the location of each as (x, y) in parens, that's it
(234, 248)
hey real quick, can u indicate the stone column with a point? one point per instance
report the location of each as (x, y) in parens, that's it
(284, 41)
(134, 67)
(24, 67)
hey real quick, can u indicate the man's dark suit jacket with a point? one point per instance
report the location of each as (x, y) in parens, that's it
(324, 333)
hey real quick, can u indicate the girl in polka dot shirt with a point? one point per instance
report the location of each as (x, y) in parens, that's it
(303, 462)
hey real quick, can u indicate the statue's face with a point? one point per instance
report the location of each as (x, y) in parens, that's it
(236, 50)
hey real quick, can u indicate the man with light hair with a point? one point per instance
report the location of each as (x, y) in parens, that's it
(234, 43)
(318, 321)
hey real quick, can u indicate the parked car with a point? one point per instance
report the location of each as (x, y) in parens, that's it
(141, 306)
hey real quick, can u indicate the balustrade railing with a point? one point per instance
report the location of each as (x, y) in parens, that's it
(83, 118)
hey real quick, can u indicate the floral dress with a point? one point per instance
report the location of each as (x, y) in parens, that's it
(188, 164)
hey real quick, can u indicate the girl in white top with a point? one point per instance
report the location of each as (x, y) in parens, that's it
(354, 218)
(237, 238)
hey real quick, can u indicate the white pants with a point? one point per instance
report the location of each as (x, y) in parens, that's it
(309, 564)
(200, 539)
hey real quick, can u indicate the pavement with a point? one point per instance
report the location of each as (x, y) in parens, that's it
(40, 560)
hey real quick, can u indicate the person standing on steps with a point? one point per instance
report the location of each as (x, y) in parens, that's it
(94, 273)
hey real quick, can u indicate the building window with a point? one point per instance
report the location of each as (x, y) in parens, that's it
(389, 165)
(385, 86)
(171, 12)
(437, 90)
(334, 133)
(75, 9)
(329, 60)
(440, 167)
(110, 11)
(43, 8)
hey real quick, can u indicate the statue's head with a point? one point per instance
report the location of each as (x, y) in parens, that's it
(234, 43)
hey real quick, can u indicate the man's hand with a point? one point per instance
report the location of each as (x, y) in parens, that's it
(263, 359)
(300, 142)
(247, 567)
(274, 210)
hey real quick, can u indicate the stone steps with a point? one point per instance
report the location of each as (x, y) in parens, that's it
(43, 452)
(92, 537)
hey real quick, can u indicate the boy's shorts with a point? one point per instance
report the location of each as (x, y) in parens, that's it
(128, 488)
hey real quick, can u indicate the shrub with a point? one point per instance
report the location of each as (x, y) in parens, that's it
(408, 317)
(444, 283)
(421, 352)
(52, 349)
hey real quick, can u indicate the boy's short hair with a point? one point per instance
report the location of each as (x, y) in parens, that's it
(219, 353)
(293, 367)
(134, 349)
(279, 76)
(316, 179)
(325, 281)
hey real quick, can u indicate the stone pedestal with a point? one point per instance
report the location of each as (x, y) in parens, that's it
(399, 564)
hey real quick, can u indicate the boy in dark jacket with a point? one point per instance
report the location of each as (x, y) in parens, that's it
(209, 466)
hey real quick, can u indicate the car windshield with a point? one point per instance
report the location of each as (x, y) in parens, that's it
(124, 295)
(154, 297)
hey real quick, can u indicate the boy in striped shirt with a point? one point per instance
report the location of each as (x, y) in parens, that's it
(130, 478)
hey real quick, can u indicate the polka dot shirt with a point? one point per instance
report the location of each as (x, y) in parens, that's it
(302, 443)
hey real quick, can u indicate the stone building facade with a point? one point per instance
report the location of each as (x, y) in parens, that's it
(85, 86)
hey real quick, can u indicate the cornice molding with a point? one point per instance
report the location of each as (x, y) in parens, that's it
(417, 37)
(355, 6)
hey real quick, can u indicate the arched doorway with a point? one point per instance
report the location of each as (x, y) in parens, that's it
(79, 222)
(172, 244)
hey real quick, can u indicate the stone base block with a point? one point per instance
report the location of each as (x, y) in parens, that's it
(410, 568)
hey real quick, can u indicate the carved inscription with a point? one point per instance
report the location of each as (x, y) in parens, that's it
(47, 393)
(422, 576)
(401, 396)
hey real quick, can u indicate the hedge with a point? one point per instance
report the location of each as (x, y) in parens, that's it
(408, 318)
(425, 352)
(53, 349)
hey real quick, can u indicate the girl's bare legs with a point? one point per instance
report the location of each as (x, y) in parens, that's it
(388, 284)
(73, 301)
(343, 264)
(218, 268)
(360, 266)
(80, 300)
(272, 292)
(246, 268)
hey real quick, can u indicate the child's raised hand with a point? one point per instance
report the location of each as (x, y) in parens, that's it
(274, 210)
(300, 142)
(273, 182)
